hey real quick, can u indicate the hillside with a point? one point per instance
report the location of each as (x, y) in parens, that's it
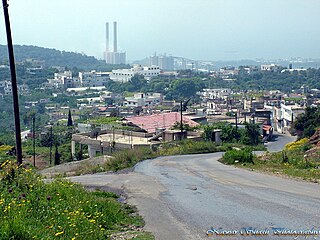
(53, 57)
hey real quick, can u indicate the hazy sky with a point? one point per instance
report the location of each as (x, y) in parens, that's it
(197, 29)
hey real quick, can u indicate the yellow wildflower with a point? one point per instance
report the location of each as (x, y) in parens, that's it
(58, 233)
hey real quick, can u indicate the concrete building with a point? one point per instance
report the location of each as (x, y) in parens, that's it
(62, 80)
(6, 88)
(125, 75)
(215, 93)
(253, 104)
(93, 78)
(107, 140)
(163, 61)
(143, 100)
(269, 67)
(80, 90)
(283, 114)
(213, 108)
(116, 57)
(293, 70)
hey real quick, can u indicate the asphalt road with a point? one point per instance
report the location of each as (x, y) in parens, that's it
(181, 197)
(279, 142)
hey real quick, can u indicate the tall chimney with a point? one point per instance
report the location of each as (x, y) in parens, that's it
(107, 37)
(115, 47)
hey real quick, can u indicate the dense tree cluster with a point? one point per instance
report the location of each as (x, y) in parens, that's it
(307, 123)
(53, 57)
(186, 84)
(269, 81)
(250, 135)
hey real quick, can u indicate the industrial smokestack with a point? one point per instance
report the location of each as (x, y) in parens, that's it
(107, 37)
(115, 47)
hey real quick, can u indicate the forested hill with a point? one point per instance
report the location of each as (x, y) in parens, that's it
(52, 57)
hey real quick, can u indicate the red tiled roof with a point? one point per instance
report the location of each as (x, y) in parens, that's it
(162, 120)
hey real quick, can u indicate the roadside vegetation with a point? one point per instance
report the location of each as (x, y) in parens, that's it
(241, 156)
(293, 163)
(299, 159)
(32, 209)
(128, 158)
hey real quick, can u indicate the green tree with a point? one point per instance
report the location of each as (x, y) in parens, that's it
(136, 83)
(70, 123)
(208, 133)
(307, 123)
(57, 156)
(28, 116)
(229, 133)
(251, 135)
(185, 88)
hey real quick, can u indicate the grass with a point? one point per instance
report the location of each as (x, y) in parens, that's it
(128, 158)
(120, 160)
(31, 209)
(292, 163)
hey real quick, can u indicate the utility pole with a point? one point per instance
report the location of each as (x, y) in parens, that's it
(34, 139)
(51, 142)
(14, 83)
(236, 118)
(181, 124)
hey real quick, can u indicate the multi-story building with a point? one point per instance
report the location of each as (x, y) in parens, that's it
(215, 93)
(93, 78)
(143, 99)
(283, 114)
(163, 61)
(62, 80)
(115, 57)
(125, 75)
(269, 67)
(6, 88)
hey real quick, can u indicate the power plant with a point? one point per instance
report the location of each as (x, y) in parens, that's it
(113, 57)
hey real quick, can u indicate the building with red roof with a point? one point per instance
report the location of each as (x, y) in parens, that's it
(166, 121)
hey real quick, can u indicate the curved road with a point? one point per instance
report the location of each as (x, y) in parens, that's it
(181, 197)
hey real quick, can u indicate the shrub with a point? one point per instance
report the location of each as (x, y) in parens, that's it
(238, 156)
(297, 144)
(129, 157)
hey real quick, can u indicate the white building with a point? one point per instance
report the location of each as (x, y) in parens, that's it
(83, 89)
(283, 115)
(213, 108)
(269, 67)
(163, 61)
(293, 70)
(125, 75)
(115, 57)
(93, 78)
(88, 101)
(6, 88)
(215, 93)
(106, 95)
(143, 100)
(62, 79)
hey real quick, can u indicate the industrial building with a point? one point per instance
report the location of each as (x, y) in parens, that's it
(114, 56)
